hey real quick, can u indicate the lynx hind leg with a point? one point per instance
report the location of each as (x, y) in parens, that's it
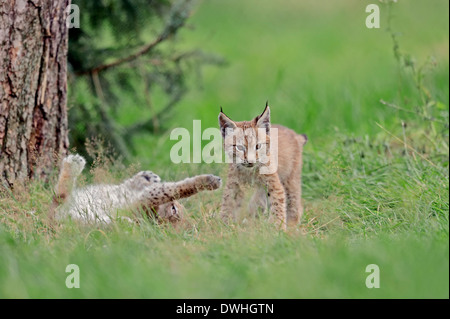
(76, 163)
(294, 207)
(277, 200)
(293, 187)
(72, 166)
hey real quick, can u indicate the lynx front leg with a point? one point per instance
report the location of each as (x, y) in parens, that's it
(258, 203)
(277, 199)
(161, 193)
(231, 200)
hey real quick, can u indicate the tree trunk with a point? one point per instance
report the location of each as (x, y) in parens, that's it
(33, 88)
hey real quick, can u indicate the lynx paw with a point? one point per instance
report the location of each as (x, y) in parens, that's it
(76, 163)
(211, 182)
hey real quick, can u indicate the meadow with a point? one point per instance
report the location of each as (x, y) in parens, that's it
(374, 104)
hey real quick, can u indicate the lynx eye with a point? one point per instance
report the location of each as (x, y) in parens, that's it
(259, 145)
(240, 148)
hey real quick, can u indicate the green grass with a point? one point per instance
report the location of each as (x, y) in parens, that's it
(148, 263)
(373, 194)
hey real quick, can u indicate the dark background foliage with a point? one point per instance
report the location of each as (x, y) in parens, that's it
(127, 49)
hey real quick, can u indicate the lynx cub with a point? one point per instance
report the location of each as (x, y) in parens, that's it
(279, 187)
(100, 203)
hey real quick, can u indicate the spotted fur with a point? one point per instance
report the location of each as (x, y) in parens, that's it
(280, 189)
(100, 203)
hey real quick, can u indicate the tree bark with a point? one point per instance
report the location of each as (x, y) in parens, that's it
(33, 88)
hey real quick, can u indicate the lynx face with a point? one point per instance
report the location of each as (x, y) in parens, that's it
(172, 212)
(247, 143)
(277, 151)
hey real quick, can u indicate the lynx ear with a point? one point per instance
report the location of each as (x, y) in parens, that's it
(263, 120)
(225, 123)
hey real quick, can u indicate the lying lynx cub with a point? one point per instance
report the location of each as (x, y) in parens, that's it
(280, 187)
(100, 203)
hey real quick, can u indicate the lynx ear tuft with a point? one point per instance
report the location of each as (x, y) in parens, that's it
(225, 123)
(267, 103)
(263, 120)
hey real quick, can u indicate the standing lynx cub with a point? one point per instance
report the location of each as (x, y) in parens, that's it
(268, 157)
(100, 203)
